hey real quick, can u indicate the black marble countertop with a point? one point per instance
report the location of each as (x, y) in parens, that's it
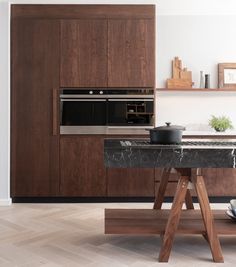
(212, 153)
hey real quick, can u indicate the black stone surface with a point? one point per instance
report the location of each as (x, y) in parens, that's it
(128, 153)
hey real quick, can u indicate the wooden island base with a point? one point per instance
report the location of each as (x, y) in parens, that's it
(167, 223)
(144, 221)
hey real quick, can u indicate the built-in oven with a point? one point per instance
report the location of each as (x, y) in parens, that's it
(83, 107)
(97, 111)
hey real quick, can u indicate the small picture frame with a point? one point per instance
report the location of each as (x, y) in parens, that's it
(227, 75)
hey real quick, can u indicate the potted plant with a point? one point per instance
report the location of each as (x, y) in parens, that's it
(220, 124)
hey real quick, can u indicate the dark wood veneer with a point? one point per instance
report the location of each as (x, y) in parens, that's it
(83, 53)
(81, 166)
(131, 53)
(35, 72)
(82, 11)
(133, 182)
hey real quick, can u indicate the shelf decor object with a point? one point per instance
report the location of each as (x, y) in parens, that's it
(207, 80)
(220, 124)
(227, 75)
(181, 78)
(202, 80)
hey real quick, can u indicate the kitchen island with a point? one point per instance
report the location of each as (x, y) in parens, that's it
(187, 159)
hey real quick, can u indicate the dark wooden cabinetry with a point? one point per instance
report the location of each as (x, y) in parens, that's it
(107, 52)
(132, 182)
(219, 182)
(131, 53)
(83, 53)
(56, 46)
(82, 171)
(35, 72)
(82, 166)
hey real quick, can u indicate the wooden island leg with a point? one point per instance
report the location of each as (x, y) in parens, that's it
(173, 220)
(159, 198)
(211, 235)
(189, 200)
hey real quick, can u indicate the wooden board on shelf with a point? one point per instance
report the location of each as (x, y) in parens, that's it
(178, 83)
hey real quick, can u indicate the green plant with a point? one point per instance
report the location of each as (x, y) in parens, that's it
(220, 124)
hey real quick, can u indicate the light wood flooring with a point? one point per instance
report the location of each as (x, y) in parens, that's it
(52, 235)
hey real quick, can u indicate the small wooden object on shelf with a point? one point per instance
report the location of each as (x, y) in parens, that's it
(181, 78)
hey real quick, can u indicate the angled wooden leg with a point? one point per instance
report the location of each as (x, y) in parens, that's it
(211, 235)
(173, 219)
(162, 188)
(189, 200)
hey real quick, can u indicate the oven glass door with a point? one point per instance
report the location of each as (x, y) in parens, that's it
(124, 112)
(78, 112)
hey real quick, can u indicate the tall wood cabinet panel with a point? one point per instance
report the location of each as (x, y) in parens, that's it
(83, 53)
(82, 166)
(34, 74)
(131, 53)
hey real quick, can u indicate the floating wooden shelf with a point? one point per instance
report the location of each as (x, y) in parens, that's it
(197, 90)
(144, 221)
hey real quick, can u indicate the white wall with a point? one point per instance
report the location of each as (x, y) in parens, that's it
(177, 35)
(201, 41)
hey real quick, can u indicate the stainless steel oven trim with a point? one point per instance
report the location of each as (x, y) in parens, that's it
(83, 100)
(82, 96)
(131, 96)
(130, 99)
(78, 96)
(104, 130)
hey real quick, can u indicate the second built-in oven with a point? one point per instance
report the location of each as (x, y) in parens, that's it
(95, 111)
(128, 110)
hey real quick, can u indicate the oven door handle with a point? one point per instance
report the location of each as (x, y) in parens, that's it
(82, 100)
(130, 96)
(129, 99)
(78, 96)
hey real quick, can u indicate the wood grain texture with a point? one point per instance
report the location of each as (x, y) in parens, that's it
(55, 111)
(160, 194)
(220, 182)
(148, 221)
(208, 219)
(82, 170)
(189, 200)
(173, 219)
(83, 11)
(173, 176)
(34, 74)
(132, 182)
(131, 46)
(83, 53)
(170, 188)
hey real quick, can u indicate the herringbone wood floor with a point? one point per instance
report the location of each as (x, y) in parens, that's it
(52, 235)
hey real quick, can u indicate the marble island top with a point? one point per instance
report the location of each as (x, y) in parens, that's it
(191, 153)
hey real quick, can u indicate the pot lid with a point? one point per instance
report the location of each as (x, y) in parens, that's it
(169, 127)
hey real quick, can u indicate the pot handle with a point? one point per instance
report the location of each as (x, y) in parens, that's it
(168, 123)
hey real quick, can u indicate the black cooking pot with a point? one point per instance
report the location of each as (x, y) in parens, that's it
(169, 134)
